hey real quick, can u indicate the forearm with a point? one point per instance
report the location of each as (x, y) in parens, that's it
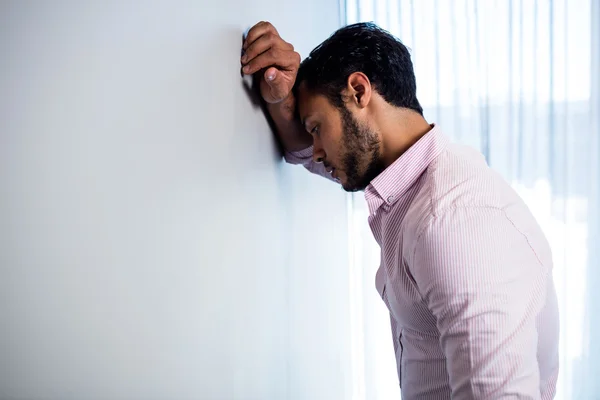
(292, 135)
(296, 142)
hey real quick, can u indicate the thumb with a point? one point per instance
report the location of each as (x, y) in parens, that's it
(271, 76)
(277, 83)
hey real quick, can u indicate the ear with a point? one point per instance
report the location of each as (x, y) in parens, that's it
(359, 90)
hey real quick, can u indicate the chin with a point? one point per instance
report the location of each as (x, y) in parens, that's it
(353, 186)
(350, 188)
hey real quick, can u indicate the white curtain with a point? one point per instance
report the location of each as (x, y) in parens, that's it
(517, 79)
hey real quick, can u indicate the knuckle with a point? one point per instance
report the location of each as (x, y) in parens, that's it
(271, 37)
(275, 53)
(283, 45)
(271, 28)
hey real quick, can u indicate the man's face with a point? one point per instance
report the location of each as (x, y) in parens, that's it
(348, 148)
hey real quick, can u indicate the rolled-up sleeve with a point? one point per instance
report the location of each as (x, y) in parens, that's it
(305, 158)
(485, 285)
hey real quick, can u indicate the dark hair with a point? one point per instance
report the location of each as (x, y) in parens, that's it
(362, 47)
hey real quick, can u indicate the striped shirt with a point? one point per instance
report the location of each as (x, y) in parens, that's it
(466, 274)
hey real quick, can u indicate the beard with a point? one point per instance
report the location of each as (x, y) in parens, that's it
(360, 154)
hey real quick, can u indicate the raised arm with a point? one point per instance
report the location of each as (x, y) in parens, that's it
(277, 63)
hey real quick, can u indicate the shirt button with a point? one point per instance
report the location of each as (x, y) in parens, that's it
(390, 199)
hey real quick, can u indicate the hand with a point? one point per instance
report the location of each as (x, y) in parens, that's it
(266, 53)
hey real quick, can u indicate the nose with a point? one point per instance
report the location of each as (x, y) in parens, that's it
(318, 152)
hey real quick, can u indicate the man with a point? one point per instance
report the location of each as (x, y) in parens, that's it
(466, 272)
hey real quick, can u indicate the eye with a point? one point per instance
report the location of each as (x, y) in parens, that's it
(315, 130)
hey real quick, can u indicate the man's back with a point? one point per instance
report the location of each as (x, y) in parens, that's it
(466, 275)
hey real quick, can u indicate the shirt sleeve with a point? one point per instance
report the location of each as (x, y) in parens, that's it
(305, 158)
(485, 286)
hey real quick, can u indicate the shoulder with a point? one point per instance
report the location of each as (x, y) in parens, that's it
(458, 179)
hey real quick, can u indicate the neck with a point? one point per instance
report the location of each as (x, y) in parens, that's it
(400, 129)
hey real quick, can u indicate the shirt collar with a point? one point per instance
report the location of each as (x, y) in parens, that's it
(390, 185)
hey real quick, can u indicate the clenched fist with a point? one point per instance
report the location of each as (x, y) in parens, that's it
(265, 52)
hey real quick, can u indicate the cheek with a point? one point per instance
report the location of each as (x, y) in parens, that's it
(332, 141)
(332, 148)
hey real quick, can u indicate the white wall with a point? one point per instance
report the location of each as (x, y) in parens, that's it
(152, 244)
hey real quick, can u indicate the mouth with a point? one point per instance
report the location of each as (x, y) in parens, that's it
(332, 171)
(334, 174)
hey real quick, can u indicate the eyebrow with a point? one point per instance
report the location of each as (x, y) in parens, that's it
(304, 122)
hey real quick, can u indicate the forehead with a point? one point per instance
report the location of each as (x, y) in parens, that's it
(311, 104)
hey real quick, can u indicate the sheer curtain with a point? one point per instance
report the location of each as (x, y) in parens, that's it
(518, 80)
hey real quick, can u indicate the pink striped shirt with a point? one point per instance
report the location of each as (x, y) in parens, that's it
(466, 274)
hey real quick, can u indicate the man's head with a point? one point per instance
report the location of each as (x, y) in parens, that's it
(346, 90)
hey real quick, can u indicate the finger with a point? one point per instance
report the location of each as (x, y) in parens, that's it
(257, 31)
(271, 75)
(264, 43)
(279, 88)
(285, 60)
(259, 46)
